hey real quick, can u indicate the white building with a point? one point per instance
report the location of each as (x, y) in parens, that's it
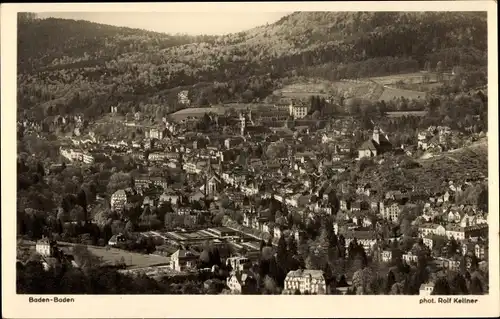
(45, 247)
(155, 133)
(426, 289)
(182, 260)
(118, 200)
(311, 281)
(410, 257)
(298, 111)
(76, 156)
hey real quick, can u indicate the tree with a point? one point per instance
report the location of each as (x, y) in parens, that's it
(262, 245)
(441, 287)
(391, 280)
(439, 70)
(397, 289)
(77, 214)
(269, 242)
(476, 287)
(26, 17)
(119, 181)
(282, 252)
(316, 115)
(84, 258)
(458, 284)
(292, 246)
(129, 227)
(267, 253)
(270, 286)
(62, 215)
(427, 66)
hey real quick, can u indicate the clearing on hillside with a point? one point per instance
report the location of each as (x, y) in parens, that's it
(393, 93)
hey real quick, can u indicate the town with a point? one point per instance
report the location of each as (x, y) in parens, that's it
(303, 192)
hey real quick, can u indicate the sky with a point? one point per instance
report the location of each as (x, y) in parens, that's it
(210, 23)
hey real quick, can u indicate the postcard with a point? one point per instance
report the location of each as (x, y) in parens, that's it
(259, 159)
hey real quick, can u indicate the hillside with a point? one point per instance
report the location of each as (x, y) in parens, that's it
(59, 43)
(111, 65)
(468, 163)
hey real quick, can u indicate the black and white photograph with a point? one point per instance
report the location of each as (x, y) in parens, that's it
(298, 152)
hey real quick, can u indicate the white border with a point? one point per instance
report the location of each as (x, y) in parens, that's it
(222, 306)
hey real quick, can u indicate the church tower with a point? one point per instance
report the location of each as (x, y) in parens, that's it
(291, 157)
(376, 135)
(242, 124)
(220, 166)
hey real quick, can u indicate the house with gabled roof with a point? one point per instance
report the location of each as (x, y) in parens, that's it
(242, 282)
(183, 259)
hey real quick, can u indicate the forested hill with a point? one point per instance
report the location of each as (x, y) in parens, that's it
(319, 37)
(109, 65)
(54, 42)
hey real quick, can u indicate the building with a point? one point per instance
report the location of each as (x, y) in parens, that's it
(428, 242)
(427, 229)
(451, 264)
(76, 156)
(426, 289)
(250, 219)
(410, 257)
(423, 140)
(46, 247)
(118, 200)
(367, 239)
(183, 260)
(155, 133)
(144, 182)
(298, 111)
(157, 156)
(169, 196)
(196, 196)
(389, 255)
(191, 168)
(391, 212)
(116, 239)
(240, 282)
(238, 263)
(462, 233)
(183, 97)
(223, 232)
(243, 122)
(305, 281)
(212, 182)
(375, 146)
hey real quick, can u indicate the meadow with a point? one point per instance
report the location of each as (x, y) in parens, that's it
(111, 256)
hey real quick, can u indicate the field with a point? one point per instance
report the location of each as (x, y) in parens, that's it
(111, 255)
(408, 85)
(415, 77)
(305, 89)
(392, 93)
(406, 113)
